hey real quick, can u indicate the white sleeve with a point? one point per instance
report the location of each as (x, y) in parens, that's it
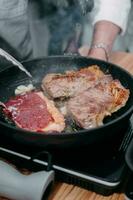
(115, 11)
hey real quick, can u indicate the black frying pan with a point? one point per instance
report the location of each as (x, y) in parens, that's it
(113, 127)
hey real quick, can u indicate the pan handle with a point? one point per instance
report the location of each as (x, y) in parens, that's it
(71, 49)
(129, 150)
(129, 155)
(73, 43)
(18, 186)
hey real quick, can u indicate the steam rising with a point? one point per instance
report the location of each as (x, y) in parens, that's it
(65, 22)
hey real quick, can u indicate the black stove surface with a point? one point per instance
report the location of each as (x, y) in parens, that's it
(100, 167)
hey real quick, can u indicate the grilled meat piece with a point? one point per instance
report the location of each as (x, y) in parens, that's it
(72, 82)
(34, 112)
(61, 104)
(89, 108)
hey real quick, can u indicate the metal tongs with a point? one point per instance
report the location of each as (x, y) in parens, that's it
(14, 61)
(2, 105)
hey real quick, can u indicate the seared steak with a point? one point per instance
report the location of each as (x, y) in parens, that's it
(90, 107)
(72, 82)
(34, 112)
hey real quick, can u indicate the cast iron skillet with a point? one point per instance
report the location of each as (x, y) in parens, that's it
(113, 126)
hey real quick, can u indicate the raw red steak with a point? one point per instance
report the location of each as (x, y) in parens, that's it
(34, 112)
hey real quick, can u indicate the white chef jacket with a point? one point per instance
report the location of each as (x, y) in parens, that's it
(115, 11)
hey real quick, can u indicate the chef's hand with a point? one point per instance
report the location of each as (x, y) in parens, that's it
(104, 35)
(98, 53)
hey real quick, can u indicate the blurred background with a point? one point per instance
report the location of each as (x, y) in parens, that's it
(44, 34)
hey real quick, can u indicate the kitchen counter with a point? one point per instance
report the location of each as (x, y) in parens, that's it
(63, 191)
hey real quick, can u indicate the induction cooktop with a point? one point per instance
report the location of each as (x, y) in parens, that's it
(100, 167)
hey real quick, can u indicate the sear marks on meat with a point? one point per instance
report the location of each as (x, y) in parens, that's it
(120, 95)
(34, 112)
(61, 104)
(90, 107)
(72, 82)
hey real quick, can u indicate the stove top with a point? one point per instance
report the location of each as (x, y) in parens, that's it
(100, 168)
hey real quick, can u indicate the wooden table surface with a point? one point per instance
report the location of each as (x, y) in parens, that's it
(63, 191)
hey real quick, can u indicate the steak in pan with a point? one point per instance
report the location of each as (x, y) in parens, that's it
(90, 107)
(85, 96)
(35, 112)
(71, 82)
